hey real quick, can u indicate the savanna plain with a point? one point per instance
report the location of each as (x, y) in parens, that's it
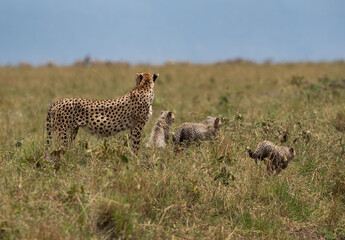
(210, 190)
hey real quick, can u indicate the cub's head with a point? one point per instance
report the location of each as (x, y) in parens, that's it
(168, 116)
(146, 78)
(217, 123)
(213, 121)
(292, 153)
(289, 155)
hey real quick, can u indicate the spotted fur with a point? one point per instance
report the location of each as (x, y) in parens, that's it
(104, 117)
(198, 131)
(160, 133)
(277, 157)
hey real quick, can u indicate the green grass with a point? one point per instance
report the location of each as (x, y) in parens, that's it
(211, 190)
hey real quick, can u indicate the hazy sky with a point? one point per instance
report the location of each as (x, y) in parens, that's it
(154, 31)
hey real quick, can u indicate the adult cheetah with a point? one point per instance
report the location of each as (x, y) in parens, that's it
(104, 117)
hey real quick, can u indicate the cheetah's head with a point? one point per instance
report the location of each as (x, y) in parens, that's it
(145, 77)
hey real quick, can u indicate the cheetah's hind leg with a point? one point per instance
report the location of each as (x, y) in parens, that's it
(66, 137)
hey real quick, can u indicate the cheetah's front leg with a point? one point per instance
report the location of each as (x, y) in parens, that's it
(135, 136)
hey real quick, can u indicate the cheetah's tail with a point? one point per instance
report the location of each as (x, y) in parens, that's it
(49, 125)
(252, 155)
(173, 137)
(176, 137)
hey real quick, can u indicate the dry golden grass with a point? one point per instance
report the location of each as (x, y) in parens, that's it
(212, 190)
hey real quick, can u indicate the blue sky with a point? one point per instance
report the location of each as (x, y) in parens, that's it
(155, 31)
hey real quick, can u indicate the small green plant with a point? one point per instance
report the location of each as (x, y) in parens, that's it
(114, 221)
(289, 203)
(224, 102)
(339, 121)
(224, 176)
(297, 80)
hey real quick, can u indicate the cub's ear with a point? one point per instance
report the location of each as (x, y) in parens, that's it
(292, 150)
(169, 114)
(155, 76)
(217, 123)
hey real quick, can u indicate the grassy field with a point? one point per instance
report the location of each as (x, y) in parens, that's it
(212, 190)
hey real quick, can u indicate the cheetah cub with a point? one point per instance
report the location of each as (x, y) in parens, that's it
(198, 131)
(278, 156)
(160, 133)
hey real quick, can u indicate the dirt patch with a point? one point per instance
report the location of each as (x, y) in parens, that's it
(305, 233)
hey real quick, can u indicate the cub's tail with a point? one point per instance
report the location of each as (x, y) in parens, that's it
(251, 154)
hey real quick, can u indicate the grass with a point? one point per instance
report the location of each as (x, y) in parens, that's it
(211, 190)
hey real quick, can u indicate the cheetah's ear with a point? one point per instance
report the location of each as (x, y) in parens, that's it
(155, 76)
(169, 114)
(139, 76)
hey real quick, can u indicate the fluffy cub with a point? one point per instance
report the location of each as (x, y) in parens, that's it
(277, 157)
(198, 131)
(160, 133)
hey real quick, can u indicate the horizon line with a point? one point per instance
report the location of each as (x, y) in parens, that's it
(88, 61)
